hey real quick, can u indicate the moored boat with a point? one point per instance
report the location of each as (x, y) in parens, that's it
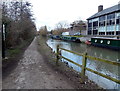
(55, 37)
(112, 43)
(69, 38)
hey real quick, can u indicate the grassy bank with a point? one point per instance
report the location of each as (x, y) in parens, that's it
(13, 55)
(69, 73)
(13, 51)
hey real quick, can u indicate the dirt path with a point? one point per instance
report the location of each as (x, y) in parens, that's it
(33, 73)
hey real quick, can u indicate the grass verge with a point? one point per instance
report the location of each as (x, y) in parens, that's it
(13, 56)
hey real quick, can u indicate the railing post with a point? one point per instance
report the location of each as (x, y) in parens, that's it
(60, 54)
(83, 68)
(57, 54)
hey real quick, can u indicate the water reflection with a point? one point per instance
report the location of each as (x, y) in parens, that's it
(101, 67)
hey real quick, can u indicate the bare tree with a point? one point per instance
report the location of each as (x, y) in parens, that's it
(43, 31)
(18, 21)
(60, 27)
(78, 25)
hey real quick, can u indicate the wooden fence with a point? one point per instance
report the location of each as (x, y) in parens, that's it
(84, 62)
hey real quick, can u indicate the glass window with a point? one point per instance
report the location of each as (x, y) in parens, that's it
(89, 21)
(118, 21)
(95, 40)
(102, 23)
(113, 21)
(89, 28)
(89, 24)
(96, 19)
(108, 22)
(102, 18)
(95, 23)
(108, 42)
(101, 41)
(111, 16)
(102, 29)
(117, 28)
(108, 28)
(118, 15)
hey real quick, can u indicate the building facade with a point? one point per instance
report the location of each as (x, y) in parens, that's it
(105, 22)
(79, 26)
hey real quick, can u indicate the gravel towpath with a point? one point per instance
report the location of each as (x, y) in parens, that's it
(33, 73)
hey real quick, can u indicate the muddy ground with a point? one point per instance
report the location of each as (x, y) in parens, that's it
(37, 70)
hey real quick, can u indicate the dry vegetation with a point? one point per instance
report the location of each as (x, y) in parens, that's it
(18, 21)
(19, 30)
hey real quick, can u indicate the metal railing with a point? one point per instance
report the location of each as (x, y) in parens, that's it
(84, 62)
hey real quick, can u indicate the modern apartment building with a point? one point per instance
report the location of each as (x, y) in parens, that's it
(105, 22)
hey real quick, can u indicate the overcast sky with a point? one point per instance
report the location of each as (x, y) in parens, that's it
(50, 12)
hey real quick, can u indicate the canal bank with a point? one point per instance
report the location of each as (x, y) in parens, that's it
(92, 51)
(70, 74)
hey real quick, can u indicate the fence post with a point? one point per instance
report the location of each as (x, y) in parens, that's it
(57, 54)
(60, 54)
(83, 68)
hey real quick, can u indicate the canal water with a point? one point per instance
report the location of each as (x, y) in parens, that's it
(101, 67)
